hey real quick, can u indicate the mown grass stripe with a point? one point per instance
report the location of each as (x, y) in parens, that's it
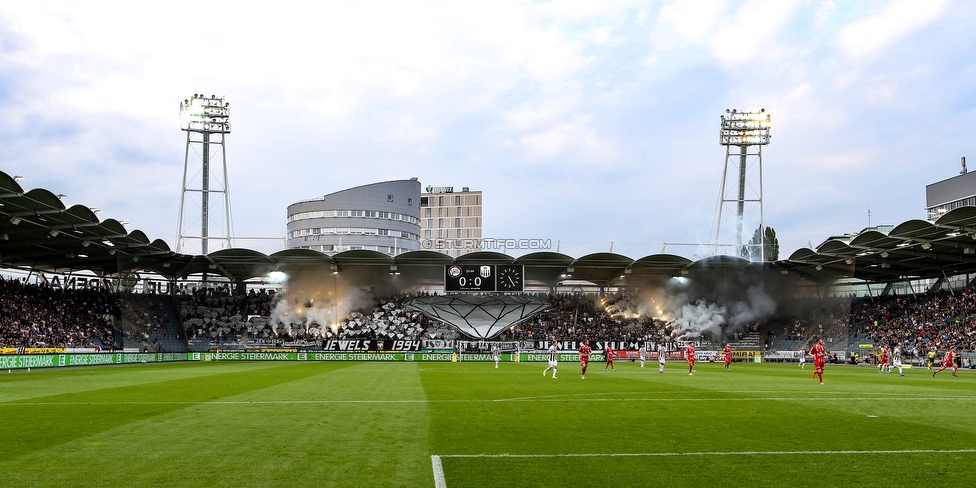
(521, 399)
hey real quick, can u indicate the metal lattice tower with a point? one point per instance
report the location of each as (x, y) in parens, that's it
(743, 134)
(206, 123)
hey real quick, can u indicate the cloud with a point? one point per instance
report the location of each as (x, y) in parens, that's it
(572, 136)
(824, 12)
(751, 32)
(872, 34)
(411, 130)
(546, 55)
(691, 20)
(601, 36)
(585, 9)
(542, 110)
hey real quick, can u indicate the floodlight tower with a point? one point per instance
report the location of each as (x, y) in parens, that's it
(206, 123)
(748, 132)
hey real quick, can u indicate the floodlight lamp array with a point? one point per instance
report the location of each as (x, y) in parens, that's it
(201, 114)
(744, 128)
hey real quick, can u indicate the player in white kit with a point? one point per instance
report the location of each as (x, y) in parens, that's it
(642, 352)
(662, 353)
(896, 360)
(803, 359)
(553, 360)
(496, 353)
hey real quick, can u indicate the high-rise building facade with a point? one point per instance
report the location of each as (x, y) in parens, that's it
(382, 217)
(450, 222)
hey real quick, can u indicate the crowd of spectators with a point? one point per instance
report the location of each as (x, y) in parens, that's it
(141, 316)
(218, 315)
(264, 316)
(918, 323)
(388, 320)
(581, 316)
(938, 321)
(39, 316)
(826, 319)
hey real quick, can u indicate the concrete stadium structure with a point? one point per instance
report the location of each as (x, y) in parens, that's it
(382, 217)
(38, 233)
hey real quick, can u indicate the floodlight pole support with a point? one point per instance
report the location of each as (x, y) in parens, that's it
(205, 121)
(744, 130)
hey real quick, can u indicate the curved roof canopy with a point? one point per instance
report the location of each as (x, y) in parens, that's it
(37, 231)
(915, 249)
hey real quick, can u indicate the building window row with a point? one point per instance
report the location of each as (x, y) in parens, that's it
(338, 248)
(352, 230)
(936, 212)
(442, 201)
(458, 212)
(318, 214)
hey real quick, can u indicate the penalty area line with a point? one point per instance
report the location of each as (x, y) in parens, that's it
(439, 481)
(700, 453)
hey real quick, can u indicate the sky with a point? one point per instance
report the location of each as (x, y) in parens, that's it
(589, 124)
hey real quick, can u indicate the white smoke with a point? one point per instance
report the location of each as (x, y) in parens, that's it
(718, 318)
(319, 318)
(355, 299)
(691, 321)
(279, 315)
(758, 307)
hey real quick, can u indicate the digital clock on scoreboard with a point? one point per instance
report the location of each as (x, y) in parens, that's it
(483, 277)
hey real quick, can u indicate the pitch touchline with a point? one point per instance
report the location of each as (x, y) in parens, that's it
(708, 453)
(514, 400)
(441, 482)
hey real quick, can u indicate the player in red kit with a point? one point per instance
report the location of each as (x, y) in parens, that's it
(883, 365)
(609, 355)
(728, 356)
(584, 352)
(690, 352)
(948, 361)
(819, 353)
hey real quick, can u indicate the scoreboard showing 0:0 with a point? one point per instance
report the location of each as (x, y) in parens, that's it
(469, 277)
(482, 277)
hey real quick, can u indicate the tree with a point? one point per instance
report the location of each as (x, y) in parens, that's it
(765, 239)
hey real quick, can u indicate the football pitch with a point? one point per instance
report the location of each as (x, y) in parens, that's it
(469, 424)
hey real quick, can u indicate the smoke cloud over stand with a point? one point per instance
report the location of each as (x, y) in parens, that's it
(318, 300)
(716, 299)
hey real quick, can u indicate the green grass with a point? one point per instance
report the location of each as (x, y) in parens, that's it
(378, 424)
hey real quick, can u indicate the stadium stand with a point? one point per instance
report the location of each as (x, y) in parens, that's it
(214, 318)
(149, 323)
(580, 316)
(39, 316)
(933, 320)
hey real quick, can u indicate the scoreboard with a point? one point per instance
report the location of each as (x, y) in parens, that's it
(484, 277)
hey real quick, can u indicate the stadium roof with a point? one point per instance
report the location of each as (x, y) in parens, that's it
(38, 232)
(912, 249)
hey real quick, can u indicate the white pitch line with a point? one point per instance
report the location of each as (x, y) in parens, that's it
(439, 481)
(501, 400)
(709, 453)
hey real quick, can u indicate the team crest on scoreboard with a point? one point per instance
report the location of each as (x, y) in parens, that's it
(486, 271)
